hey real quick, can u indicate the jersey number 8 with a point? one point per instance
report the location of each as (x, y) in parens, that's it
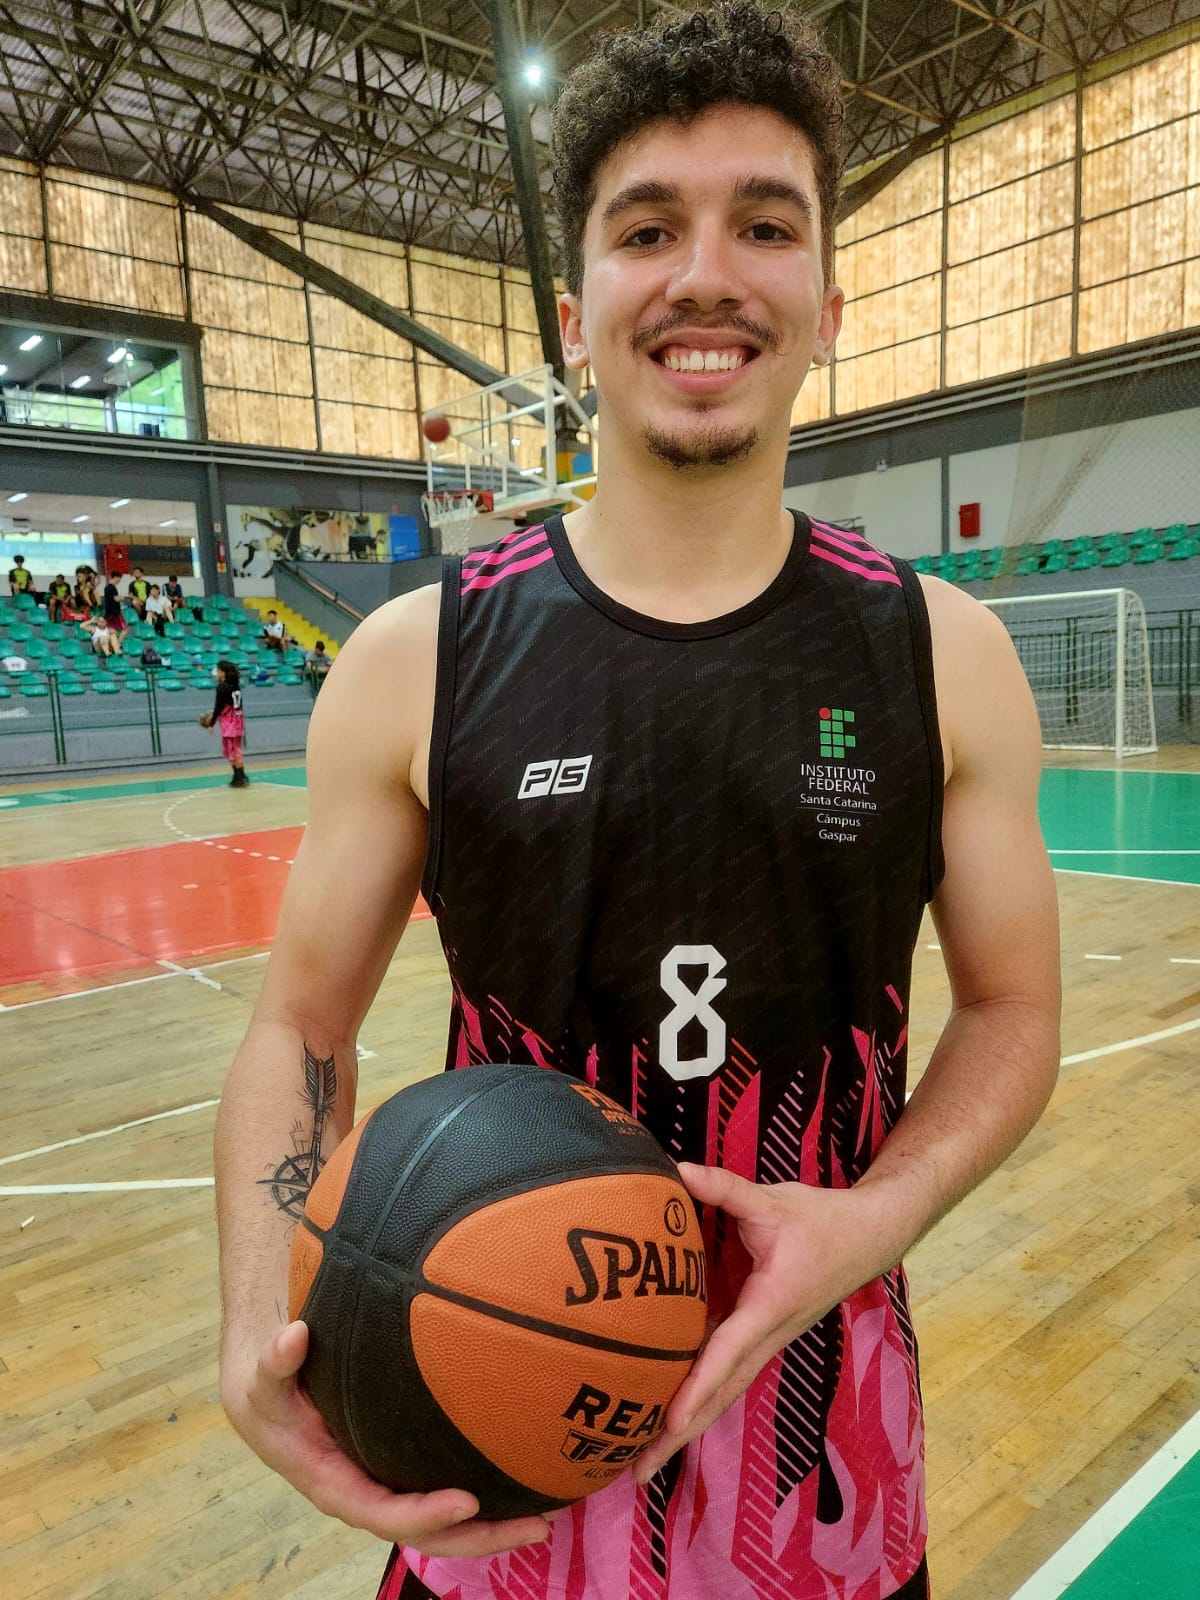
(692, 1005)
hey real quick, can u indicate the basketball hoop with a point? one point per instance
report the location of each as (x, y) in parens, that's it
(453, 512)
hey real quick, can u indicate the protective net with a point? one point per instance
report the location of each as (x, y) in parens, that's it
(1087, 657)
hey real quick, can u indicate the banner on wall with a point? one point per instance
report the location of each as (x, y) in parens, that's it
(261, 535)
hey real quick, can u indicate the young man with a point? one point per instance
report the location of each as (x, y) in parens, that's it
(158, 610)
(20, 579)
(58, 594)
(711, 758)
(274, 634)
(139, 592)
(317, 663)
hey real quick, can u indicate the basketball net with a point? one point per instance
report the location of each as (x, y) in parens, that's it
(453, 514)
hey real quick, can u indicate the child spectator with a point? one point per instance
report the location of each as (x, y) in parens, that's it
(230, 719)
(139, 592)
(158, 610)
(57, 595)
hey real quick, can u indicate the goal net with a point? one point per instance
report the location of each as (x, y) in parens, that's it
(1087, 658)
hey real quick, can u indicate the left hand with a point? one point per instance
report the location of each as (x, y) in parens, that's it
(811, 1249)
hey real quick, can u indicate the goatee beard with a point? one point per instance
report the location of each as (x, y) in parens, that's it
(713, 447)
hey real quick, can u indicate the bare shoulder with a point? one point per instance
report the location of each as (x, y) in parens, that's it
(985, 706)
(375, 709)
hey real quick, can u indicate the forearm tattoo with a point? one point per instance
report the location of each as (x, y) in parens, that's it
(295, 1175)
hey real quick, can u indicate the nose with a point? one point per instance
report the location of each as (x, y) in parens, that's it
(706, 271)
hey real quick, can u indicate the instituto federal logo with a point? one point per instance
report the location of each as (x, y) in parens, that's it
(835, 741)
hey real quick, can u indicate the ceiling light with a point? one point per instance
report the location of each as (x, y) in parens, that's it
(169, 523)
(32, 342)
(118, 355)
(81, 382)
(84, 518)
(533, 72)
(3, 369)
(13, 498)
(115, 505)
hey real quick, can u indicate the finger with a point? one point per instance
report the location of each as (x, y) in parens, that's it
(717, 1186)
(283, 1355)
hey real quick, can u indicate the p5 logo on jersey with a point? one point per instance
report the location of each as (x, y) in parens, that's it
(568, 776)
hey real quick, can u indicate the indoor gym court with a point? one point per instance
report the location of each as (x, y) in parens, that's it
(1057, 1307)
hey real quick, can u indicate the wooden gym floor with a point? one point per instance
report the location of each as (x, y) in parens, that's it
(1058, 1308)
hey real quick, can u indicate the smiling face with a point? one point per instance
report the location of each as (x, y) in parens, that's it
(704, 301)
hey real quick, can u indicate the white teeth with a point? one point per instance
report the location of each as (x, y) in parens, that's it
(704, 360)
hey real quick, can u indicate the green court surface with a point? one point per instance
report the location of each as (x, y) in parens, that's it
(1123, 824)
(129, 788)
(1157, 1557)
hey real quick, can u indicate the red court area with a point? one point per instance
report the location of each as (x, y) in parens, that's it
(72, 925)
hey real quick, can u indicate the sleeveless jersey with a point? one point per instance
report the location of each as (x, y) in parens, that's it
(687, 862)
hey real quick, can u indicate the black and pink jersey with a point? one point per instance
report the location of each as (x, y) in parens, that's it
(687, 863)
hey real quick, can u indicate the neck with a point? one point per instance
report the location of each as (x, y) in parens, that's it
(683, 545)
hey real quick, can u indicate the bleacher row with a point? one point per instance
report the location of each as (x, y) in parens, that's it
(190, 650)
(1142, 548)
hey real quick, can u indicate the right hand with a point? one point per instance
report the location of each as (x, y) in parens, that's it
(281, 1425)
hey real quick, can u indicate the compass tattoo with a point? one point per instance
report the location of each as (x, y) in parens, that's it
(295, 1175)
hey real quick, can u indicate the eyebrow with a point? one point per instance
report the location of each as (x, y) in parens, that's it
(652, 192)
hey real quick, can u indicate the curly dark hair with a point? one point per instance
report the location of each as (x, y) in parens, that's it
(731, 52)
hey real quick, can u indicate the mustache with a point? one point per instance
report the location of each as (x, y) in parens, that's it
(660, 332)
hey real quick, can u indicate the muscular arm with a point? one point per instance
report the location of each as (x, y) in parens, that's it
(997, 919)
(289, 1098)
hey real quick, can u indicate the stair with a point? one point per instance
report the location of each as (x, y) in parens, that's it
(304, 632)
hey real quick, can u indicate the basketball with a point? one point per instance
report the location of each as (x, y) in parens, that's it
(436, 428)
(504, 1284)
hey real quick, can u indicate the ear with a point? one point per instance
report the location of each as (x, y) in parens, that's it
(832, 305)
(570, 327)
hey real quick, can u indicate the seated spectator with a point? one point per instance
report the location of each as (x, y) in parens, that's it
(173, 590)
(75, 608)
(57, 595)
(317, 663)
(85, 586)
(151, 657)
(20, 579)
(139, 593)
(106, 640)
(158, 610)
(274, 634)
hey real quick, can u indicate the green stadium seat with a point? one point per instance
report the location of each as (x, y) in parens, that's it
(1052, 547)
(1152, 550)
(25, 602)
(1106, 541)
(176, 630)
(36, 649)
(1083, 559)
(1058, 562)
(5, 694)
(1141, 537)
(289, 678)
(105, 686)
(1185, 549)
(70, 648)
(183, 619)
(1115, 556)
(1077, 546)
(993, 560)
(170, 685)
(1027, 565)
(34, 689)
(137, 682)
(1177, 530)
(36, 617)
(70, 686)
(923, 564)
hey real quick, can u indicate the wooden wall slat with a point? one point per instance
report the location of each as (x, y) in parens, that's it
(22, 264)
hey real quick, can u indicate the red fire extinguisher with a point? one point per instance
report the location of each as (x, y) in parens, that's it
(220, 555)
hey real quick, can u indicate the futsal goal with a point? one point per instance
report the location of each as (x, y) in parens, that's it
(1087, 657)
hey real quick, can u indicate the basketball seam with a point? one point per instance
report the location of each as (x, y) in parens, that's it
(554, 1330)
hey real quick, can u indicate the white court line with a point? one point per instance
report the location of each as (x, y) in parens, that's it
(1122, 877)
(129, 983)
(1102, 958)
(103, 1133)
(1184, 961)
(1131, 1044)
(105, 1188)
(1106, 852)
(1073, 1558)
